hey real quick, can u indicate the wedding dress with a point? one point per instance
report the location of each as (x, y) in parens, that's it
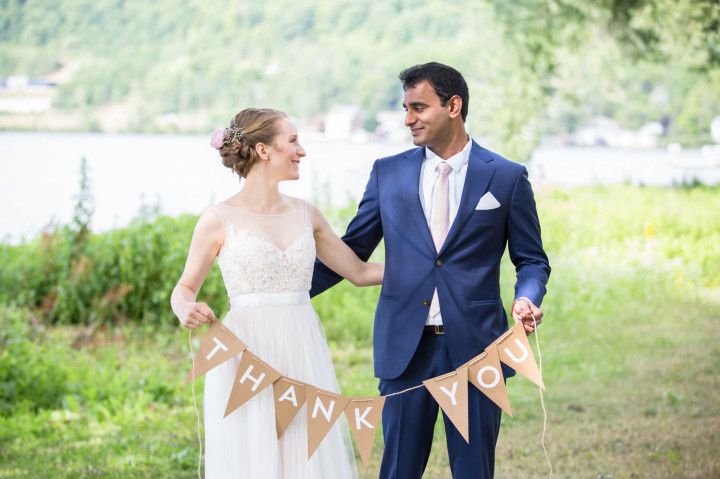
(266, 263)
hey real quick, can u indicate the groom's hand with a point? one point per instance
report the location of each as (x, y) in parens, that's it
(523, 311)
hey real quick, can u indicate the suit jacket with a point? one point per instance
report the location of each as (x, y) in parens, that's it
(466, 270)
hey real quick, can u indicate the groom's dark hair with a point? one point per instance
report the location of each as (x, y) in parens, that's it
(446, 81)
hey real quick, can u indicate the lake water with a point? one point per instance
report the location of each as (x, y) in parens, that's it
(183, 174)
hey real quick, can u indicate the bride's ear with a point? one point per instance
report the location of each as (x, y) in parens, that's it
(261, 150)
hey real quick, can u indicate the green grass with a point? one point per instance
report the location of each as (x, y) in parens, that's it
(629, 345)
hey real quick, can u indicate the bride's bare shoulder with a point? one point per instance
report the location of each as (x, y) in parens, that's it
(211, 224)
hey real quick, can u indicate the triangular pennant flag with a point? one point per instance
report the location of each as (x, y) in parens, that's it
(485, 373)
(253, 375)
(323, 409)
(451, 392)
(363, 415)
(515, 351)
(289, 398)
(218, 345)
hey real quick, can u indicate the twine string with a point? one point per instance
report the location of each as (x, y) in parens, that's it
(404, 390)
(197, 412)
(542, 400)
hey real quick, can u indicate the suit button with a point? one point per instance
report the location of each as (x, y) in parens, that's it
(426, 302)
(438, 262)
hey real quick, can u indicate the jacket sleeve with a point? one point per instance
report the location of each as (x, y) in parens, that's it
(362, 236)
(532, 268)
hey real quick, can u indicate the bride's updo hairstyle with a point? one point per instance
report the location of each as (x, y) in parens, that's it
(236, 143)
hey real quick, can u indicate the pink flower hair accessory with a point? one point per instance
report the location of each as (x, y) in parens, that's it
(217, 139)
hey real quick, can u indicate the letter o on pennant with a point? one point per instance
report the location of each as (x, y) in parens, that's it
(495, 379)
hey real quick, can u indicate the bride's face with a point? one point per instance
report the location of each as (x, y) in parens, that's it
(285, 152)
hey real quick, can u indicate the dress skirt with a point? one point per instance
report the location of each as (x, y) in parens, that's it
(284, 331)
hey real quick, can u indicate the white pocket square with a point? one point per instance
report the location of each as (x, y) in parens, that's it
(488, 202)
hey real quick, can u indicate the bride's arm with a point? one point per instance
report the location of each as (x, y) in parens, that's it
(338, 256)
(206, 241)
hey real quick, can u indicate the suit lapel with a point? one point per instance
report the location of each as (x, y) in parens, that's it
(480, 172)
(413, 192)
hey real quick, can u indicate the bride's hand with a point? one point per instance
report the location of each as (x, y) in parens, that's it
(197, 314)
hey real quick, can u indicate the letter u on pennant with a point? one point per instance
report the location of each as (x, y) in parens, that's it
(515, 351)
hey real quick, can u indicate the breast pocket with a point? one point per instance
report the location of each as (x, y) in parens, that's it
(496, 215)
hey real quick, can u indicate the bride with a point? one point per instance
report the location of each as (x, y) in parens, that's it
(265, 244)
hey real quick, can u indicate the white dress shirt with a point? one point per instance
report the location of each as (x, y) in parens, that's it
(456, 181)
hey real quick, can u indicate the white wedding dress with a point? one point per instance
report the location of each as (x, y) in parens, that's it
(266, 263)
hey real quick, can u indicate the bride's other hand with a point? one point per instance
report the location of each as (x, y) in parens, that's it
(338, 256)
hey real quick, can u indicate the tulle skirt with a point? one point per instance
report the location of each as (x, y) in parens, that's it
(245, 444)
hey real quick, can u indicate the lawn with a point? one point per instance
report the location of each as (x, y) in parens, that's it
(629, 345)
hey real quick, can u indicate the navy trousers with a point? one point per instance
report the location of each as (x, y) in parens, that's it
(409, 420)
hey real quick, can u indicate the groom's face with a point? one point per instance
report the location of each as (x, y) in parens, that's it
(428, 120)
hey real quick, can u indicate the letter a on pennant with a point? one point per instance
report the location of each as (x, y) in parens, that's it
(485, 373)
(253, 375)
(515, 351)
(451, 392)
(289, 398)
(363, 415)
(323, 409)
(218, 345)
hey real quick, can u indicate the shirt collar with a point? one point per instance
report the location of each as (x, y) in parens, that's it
(457, 161)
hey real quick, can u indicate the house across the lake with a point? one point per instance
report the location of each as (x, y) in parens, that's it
(21, 94)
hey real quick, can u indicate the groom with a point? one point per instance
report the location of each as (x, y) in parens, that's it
(446, 210)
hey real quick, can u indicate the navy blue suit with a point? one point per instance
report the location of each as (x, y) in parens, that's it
(466, 273)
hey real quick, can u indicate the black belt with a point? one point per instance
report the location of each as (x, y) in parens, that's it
(437, 329)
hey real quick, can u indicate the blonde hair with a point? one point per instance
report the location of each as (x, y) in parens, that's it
(248, 128)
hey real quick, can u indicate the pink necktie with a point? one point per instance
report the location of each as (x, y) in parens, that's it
(439, 219)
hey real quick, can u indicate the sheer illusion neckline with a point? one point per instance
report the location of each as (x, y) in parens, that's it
(293, 208)
(241, 232)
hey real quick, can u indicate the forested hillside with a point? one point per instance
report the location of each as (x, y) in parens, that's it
(533, 65)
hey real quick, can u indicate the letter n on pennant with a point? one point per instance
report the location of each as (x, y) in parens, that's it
(323, 409)
(218, 345)
(253, 376)
(289, 398)
(363, 415)
(451, 392)
(515, 351)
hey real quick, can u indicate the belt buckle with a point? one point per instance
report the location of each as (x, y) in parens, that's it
(438, 329)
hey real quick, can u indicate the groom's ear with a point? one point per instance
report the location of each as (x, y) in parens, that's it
(454, 105)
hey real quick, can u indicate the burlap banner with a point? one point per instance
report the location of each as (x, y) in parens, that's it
(253, 375)
(515, 351)
(218, 345)
(324, 408)
(451, 392)
(363, 414)
(485, 373)
(289, 398)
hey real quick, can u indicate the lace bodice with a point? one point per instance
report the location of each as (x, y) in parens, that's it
(266, 253)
